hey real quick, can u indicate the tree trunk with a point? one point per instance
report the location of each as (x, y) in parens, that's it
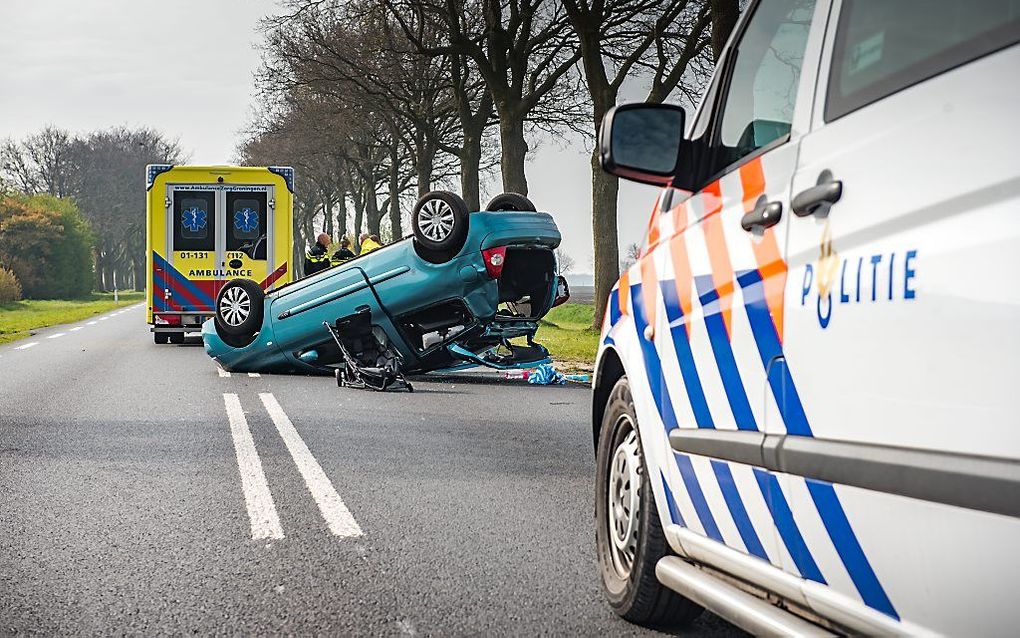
(341, 215)
(372, 214)
(724, 18)
(605, 188)
(425, 158)
(327, 214)
(513, 152)
(395, 230)
(140, 273)
(359, 213)
(470, 167)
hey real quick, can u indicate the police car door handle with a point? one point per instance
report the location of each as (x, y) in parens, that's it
(764, 215)
(818, 199)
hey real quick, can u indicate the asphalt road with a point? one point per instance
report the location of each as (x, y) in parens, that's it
(127, 472)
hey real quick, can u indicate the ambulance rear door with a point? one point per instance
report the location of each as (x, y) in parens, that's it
(247, 238)
(187, 275)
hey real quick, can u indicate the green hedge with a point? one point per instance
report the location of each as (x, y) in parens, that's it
(48, 245)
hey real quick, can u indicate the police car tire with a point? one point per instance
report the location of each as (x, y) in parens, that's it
(250, 324)
(510, 201)
(438, 242)
(641, 598)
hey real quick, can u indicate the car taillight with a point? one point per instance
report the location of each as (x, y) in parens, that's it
(494, 258)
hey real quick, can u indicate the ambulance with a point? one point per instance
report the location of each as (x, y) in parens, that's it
(806, 408)
(206, 225)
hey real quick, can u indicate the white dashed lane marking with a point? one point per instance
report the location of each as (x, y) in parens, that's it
(223, 373)
(27, 345)
(339, 519)
(76, 329)
(265, 523)
(54, 336)
(254, 375)
(91, 323)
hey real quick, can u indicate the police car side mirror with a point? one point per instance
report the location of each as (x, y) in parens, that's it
(642, 142)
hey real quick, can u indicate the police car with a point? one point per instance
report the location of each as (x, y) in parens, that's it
(806, 408)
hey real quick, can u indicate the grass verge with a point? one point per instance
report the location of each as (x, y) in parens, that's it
(20, 318)
(566, 331)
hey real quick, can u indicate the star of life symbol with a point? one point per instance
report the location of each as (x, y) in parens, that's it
(246, 220)
(194, 219)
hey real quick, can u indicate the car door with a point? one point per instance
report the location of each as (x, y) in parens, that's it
(716, 260)
(901, 342)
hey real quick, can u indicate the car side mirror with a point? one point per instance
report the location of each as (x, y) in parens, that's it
(642, 142)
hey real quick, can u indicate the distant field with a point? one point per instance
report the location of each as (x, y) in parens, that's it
(18, 319)
(566, 331)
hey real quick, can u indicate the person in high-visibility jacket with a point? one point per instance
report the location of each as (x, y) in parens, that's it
(342, 254)
(369, 243)
(317, 257)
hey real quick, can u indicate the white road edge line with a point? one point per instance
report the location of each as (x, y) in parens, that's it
(265, 523)
(223, 373)
(76, 328)
(54, 336)
(27, 345)
(103, 318)
(339, 519)
(91, 323)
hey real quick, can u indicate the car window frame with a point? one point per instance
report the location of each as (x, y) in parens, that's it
(921, 71)
(713, 130)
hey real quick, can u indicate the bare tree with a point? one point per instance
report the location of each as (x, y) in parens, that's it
(619, 39)
(524, 51)
(564, 262)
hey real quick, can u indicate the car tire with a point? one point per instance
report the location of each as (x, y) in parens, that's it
(176, 338)
(630, 540)
(440, 223)
(239, 308)
(161, 337)
(511, 201)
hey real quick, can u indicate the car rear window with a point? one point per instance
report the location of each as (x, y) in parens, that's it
(885, 46)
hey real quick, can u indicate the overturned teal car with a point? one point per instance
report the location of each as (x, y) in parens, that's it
(454, 294)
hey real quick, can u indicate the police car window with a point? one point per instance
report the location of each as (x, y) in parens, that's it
(246, 219)
(763, 83)
(194, 220)
(883, 47)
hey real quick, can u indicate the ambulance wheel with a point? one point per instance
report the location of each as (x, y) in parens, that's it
(176, 338)
(440, 223)
(511, 201)
(628, 534)
(239, 308)
(161, 337)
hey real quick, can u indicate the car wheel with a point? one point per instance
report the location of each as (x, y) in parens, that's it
(629, 536)
(440, 223)
(176, 338)
(239, 308)
(511, 201)
(161, 337)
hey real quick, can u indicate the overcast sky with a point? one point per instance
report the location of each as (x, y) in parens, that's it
(186, 68)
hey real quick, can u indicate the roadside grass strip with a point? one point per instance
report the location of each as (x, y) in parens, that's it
(265, 523)
(339, 519)
(19, 319)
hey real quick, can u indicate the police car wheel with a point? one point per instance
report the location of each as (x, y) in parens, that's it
(510, 201)
(239, 308)
(629, 536)
(440, 223)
